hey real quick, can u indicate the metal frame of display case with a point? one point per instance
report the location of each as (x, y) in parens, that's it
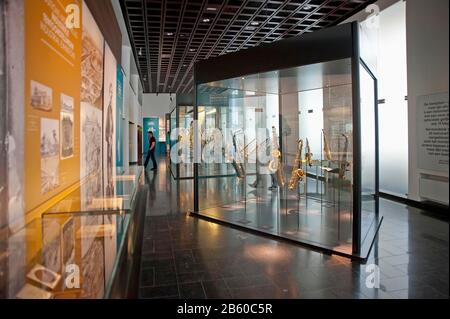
(335, 43)
(183, 100)
(3, 154)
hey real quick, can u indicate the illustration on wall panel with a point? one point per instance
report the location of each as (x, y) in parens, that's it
(109, 120)
(67, 127)
(91, 153)
(91, 110)
(49, 155)
(91, 61)
(41, 96)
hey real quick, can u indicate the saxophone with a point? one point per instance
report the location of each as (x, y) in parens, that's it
(238, 167)
(344, 164)
(326, 147)
(191, 136)
(297, 171)
(308, 154)
(276, 165)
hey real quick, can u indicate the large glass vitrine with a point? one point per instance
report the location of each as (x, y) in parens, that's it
(181, 138)
(288, 147)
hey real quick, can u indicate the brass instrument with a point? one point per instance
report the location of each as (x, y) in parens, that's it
(344, 164)
(297, 171)
(238, 167)
(308, 154)
(326, 147)
(191, 135)
(276, 165)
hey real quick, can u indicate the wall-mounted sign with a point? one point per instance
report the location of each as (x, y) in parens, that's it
(432, 132)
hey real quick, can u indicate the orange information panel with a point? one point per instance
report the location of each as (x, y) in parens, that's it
(52, 100)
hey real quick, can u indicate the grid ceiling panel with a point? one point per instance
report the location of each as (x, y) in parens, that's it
(169, 36)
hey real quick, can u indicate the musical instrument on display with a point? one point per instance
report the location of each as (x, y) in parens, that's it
(238, 166)
(191, 135)
(297, 171)
(276, 164)
(308, 154)
(326, 147)
(344, 164)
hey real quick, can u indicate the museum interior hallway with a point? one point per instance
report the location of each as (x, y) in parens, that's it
(186, 257)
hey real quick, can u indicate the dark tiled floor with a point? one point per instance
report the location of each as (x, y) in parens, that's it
(184, 257)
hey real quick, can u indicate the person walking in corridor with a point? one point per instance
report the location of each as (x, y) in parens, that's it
(151, 151)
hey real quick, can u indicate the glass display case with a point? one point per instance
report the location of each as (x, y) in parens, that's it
(82, 247)
(280, 147)
(182, 138)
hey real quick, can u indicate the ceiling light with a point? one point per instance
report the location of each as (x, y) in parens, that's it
(211, 9)
(169, 34)
(140, 51)
(250, 28)
(191, 50)
(206, 20)
(255, 23)
(307, 7)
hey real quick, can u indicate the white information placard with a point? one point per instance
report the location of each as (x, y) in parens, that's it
(433, 132)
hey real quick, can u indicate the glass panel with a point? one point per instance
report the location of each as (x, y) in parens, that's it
(368, 151)
(173, 139)
(299, 123)
(393, 113)
(87, 232)
(182, 142)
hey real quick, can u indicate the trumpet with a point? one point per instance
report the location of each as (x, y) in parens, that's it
(297, 171)
(326, 147)
(308, 154)
(276, 165)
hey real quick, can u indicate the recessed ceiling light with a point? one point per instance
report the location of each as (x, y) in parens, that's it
(206, 20)
(191, 50)
(169, 34)
(255, 23)
(248, 28)
(211, 9)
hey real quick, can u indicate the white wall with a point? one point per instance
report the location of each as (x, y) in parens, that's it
(427, 54)
(131, 86)
(157, 105)
(427, 43)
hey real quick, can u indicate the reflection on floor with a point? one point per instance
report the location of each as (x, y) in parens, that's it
(315, 218)
(184, 257)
